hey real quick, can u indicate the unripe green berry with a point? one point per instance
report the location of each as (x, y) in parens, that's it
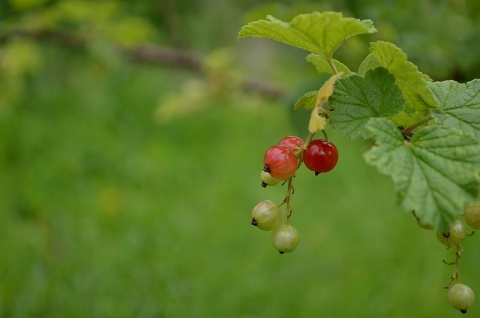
(455, 235)
(461, 297)
(266, 215)
(268, 180)
(472, 215)
(285, 238)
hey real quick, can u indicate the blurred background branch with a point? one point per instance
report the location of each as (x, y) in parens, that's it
(148, 53)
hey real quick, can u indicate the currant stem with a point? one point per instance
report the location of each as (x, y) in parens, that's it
(409, 129)
(332, 64)
(288, 210)
(298, 154)
(307, 141)
(325, 134)
(456, 271)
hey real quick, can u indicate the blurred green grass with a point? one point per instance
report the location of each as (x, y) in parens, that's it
(105, 213)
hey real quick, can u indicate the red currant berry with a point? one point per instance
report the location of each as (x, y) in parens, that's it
(292, 142)
(320, 156)
(280, 162)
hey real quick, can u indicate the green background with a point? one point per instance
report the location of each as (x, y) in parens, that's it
(126, 189)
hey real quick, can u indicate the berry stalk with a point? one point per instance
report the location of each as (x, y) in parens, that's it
(288, 209)
(456, 271)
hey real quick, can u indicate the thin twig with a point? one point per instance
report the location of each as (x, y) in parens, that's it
(456, 271)
(409, 129)
(150, 53)
(290, 190)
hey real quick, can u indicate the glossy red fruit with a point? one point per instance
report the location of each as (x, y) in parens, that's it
(320, 156)
(280, 162)
(292, 142)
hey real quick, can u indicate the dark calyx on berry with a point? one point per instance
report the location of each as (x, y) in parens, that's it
(254, 222)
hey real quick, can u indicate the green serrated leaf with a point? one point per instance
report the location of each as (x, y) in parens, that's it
(370, 62)
(307, 100)
(356, 99)
(436, 174)
(459, 105)
(409, 79)
(322, 65)
(316, 32)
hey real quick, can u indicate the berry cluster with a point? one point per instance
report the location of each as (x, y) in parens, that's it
(460, 296)
(280, 163)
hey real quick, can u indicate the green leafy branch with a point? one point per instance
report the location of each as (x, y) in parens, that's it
(426, 133)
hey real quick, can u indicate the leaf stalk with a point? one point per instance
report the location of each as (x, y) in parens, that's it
(408, 131)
